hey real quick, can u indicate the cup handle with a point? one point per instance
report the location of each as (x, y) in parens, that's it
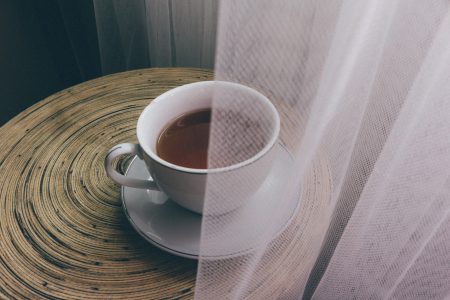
(131, 149)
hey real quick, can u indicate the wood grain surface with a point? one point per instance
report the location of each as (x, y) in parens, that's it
(63, 234)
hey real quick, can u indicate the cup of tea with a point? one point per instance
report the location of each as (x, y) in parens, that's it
(173, 135)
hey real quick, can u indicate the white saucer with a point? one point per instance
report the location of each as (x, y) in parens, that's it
(177, 230)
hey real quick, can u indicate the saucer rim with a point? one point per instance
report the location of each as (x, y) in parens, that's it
(197, 256)
(147, 238)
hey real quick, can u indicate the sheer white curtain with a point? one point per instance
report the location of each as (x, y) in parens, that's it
(155, 33)
(362, 88)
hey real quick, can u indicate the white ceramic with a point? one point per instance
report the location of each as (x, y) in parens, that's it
(177, 230)
(183, 185)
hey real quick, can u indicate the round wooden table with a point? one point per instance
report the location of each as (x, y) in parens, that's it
(63, 234)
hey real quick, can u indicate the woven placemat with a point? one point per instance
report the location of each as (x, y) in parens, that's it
(63, 234)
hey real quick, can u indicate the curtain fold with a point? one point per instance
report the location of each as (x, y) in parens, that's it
(360, 88)
(155, 33)
(404, 207)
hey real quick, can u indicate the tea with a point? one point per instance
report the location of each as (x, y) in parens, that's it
(184, 142)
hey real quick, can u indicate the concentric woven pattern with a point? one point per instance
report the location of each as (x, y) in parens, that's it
(63, 234)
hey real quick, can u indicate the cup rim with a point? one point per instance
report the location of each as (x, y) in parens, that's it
(200, 84)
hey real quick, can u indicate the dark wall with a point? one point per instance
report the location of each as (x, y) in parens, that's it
(45, 46)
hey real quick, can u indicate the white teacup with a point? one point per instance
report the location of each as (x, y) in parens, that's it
(186, 186)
